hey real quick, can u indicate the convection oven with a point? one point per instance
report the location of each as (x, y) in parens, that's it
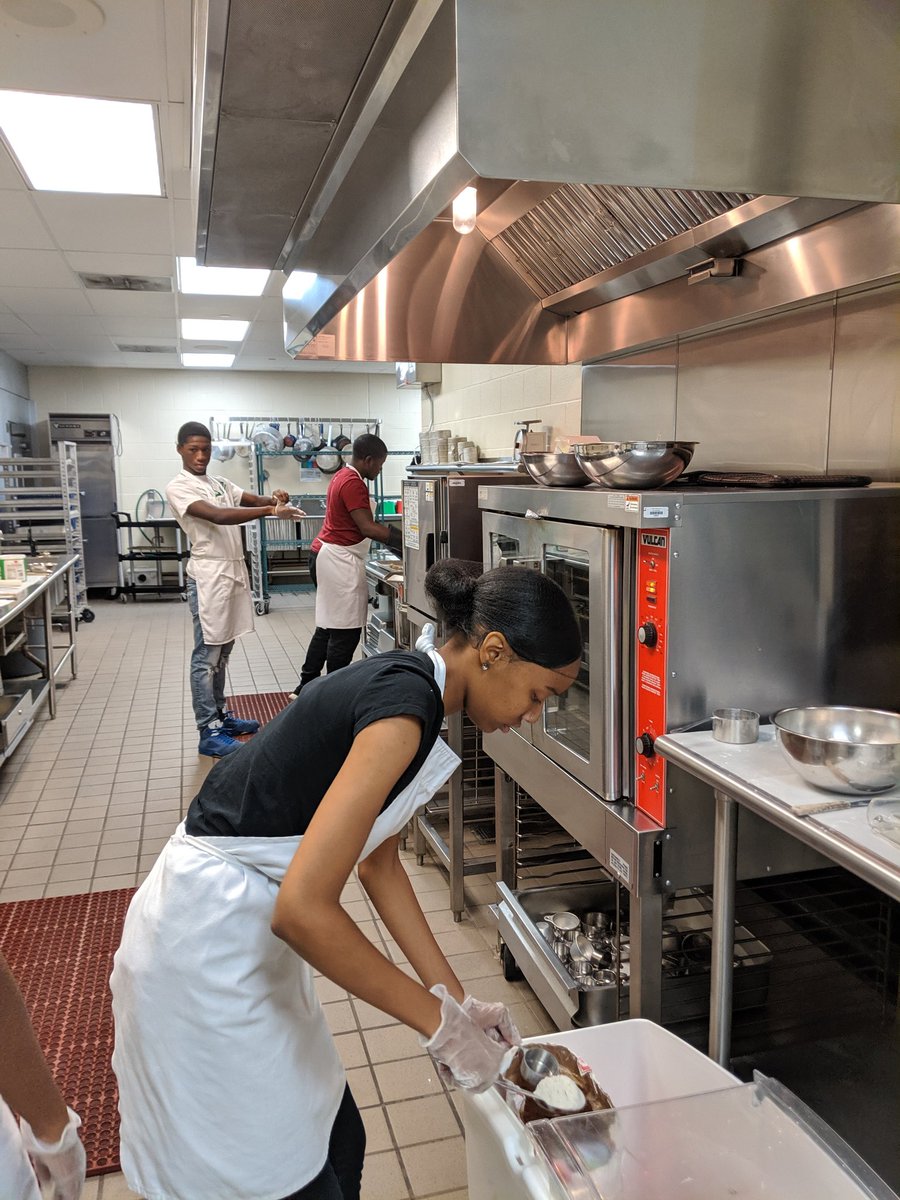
(689, 599)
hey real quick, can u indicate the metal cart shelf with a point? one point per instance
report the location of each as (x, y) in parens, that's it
(40, 512)
(142, 563)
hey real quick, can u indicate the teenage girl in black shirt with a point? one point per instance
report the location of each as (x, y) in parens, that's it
(230, 1083)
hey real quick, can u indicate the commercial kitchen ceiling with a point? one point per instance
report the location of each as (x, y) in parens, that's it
(121, 50)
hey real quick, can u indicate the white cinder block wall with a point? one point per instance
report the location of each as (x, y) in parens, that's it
(483, 403)
(151, 405)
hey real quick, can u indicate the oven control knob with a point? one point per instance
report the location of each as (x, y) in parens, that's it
(648, 635)
(644, 745)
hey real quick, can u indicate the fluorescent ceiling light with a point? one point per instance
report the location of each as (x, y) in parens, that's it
(219, 281)
(79, 144)
(207, 360)
(213, 331)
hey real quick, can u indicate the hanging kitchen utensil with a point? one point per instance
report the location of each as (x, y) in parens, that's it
(244, 447)
(319, 444)
(267, 436)
(328, 458)
(289, 438)
(304, 445)
(341, 442)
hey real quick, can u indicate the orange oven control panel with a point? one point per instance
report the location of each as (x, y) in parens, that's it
(651, 638)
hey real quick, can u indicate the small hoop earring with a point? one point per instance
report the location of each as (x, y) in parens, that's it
(484, 666)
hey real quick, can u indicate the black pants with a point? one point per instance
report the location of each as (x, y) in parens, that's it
(341, 1177)
(330, 648)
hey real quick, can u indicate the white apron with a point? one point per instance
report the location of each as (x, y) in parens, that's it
(223, 599)
(229, 1079)
(17, 1179)
(341, 592)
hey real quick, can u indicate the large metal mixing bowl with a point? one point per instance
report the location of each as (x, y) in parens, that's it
(847, 750)
(555, 470)
(635, 464)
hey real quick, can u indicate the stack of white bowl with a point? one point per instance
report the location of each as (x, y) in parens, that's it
(434, 445)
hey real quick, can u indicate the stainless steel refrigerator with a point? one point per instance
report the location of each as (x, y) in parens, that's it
(93, 437)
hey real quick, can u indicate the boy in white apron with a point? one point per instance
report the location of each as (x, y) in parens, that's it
(209, 509)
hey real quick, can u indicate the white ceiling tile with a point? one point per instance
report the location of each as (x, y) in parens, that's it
(44, 300)
(11, 325)
(124, 59)
(135, 328)
(271, 309)
(82, 344)
(65, 324)
(131, 304)
(126, 223)
(20, 225)
(185, 227)
(10, 175)
(35, 268)
(148, 360)
(98, 262)
(264, 333)
(235, 308)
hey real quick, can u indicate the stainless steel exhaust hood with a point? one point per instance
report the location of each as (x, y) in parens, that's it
(651, 136)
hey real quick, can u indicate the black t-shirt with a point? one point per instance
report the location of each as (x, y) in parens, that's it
(274, 784)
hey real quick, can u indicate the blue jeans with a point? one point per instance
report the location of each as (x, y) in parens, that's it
(208, 666)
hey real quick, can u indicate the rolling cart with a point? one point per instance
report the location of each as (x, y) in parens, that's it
(143, 553)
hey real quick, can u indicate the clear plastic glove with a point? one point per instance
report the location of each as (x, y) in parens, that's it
(288, 512)
(461, 1045)
(62, 1163)
(280, 496)
(494, 1019)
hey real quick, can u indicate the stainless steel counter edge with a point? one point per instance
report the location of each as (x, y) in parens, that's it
(841, 851)
(36, 589)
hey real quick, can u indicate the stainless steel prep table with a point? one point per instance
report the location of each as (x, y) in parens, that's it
(757, 777)
(41, 591)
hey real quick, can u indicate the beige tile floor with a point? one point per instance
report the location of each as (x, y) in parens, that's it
(88, 800)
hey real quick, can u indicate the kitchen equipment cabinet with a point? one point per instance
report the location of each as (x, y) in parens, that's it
(441, 519)
(690, 600)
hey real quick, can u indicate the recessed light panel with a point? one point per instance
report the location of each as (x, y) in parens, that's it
(81, 144)
(213, 330)
(219, 281)
(207, 360)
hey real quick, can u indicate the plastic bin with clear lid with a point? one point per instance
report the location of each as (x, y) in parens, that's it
(752, 1142)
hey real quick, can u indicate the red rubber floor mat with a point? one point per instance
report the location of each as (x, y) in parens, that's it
(261, 707)
(61, 951)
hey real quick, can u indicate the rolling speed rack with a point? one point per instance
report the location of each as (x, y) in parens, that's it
(40, 511)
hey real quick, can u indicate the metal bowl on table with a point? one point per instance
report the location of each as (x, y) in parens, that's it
(848, 750)
(555, 470)
(635, 464)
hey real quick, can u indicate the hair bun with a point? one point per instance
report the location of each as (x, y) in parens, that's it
(451, 584)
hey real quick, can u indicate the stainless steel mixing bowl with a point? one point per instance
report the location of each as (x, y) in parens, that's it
(847, 750)
(635, 464)
(555, 470)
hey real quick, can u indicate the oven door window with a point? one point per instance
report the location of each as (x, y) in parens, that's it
(567, 718)
(506, 550)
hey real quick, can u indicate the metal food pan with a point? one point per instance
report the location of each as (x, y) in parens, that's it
(569, 1003)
